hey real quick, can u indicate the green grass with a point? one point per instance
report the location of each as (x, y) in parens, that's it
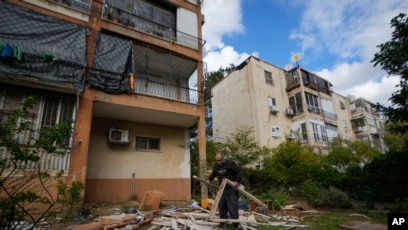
(333, 219)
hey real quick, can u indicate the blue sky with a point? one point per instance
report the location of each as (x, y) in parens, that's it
(336, 39)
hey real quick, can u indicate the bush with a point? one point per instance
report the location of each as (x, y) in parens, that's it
(400, 206)
(321, 197)
(335, 198)
(279, 198)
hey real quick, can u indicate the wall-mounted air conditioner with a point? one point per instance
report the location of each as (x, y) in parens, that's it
(119, 136)
(273, 109)
(289, 111)
(291, 136)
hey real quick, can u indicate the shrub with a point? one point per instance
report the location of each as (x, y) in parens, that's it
(279, 198)
(400, 206)
(321, 197)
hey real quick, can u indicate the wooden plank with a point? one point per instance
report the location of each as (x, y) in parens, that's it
(217, 199)
(239, 188)
(242, 190)
(204, 181)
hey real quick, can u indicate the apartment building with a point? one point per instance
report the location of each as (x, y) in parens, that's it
(129, 74)
(290, 104)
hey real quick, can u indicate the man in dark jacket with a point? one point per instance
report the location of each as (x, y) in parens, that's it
(225, 168)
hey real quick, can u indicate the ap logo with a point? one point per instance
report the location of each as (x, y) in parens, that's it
(397, 221)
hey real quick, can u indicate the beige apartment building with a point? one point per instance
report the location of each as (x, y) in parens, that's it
(129, 73)
(290, 104)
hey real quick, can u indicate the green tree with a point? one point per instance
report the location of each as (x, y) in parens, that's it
(29, 197)
(395, 141)
(393, 58)
(344, 154)
(242, 147)
(291, 164)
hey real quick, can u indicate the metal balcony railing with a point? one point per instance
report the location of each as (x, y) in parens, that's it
(81, 5)
(166, 90)
(157, 28)
(329, 115)
(47, 160)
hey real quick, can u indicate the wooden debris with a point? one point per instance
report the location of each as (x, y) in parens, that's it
(151, 200)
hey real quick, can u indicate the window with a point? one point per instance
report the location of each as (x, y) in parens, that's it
(57, 110)
(319, 132)
(312, 103)
(303, 131)
(295, 102)
(268, 78)
(49, 109)
(146, 143)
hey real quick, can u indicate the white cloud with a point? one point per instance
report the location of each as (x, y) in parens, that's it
(351, 31)
(347, 30)
(224, 58)
(221, 19)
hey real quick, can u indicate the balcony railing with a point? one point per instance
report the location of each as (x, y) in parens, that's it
(47, 160)
(329, 115)
(159, 28)
(166, 90)
(81, 5)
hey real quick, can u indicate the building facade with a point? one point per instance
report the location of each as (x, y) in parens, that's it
(128, 73)
(293, 104)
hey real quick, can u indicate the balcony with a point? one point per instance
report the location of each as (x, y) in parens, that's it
(329, 115)
(165, 90)
(80, 5)
(313, 109)
(151, 20)
(47, 161)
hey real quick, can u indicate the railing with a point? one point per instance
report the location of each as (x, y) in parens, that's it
(166, 90)
(47, 160)
(161, 29)
(329, 115)
(313, 109)
(81, 5)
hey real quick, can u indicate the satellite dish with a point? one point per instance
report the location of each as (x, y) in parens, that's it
(288, 67)
(296, 57)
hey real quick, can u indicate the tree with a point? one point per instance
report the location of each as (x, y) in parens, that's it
(393, 58)
(29, 197)
(291, 164)
(242, 147)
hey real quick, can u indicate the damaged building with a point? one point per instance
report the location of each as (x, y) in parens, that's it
(128, 73)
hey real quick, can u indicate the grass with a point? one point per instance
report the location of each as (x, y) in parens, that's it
(333, 219)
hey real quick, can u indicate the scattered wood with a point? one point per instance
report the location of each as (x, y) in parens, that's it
(151, 200)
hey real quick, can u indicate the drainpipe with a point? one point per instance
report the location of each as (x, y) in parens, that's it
(133, 186)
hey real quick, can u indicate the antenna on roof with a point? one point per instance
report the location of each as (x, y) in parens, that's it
(288, 67)
(295, 58)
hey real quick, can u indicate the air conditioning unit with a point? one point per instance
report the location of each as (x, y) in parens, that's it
(291, 136)
(289, 111)
(273, 108)
(119, 136)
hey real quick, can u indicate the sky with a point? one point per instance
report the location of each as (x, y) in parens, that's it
(335, 39)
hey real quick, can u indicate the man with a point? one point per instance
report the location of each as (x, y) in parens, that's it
(228, 204)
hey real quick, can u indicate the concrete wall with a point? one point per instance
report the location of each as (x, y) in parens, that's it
(232, 106)
(110, 166)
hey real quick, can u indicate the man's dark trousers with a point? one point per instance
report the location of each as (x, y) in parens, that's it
(229, 204)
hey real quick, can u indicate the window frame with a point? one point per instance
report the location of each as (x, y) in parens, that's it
(268, 77)
(148, 143)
